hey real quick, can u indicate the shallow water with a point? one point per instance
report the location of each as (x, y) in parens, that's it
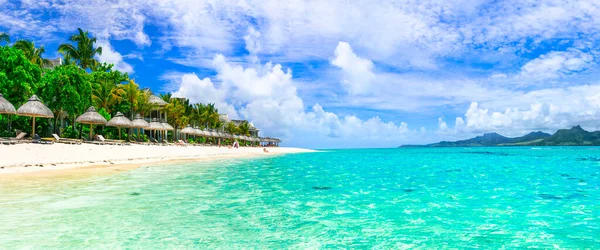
(374, 198)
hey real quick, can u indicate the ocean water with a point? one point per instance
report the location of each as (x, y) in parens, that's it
(457, 198)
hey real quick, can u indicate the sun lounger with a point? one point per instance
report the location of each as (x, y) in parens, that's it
(7, 142)
(181, 143)
(38, 140)
(18, 139)
(113, 142)
(66, 140)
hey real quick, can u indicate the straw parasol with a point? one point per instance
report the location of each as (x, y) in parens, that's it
(155, 125)
(138, 122)
(188, 130)
(119, 121)
(6, 107)
(91, 117)
(35, 108)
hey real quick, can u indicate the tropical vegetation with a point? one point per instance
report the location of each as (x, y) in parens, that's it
(82, 81)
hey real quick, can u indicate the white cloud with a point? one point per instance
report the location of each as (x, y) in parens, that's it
(266, 95)
(253, 44)
(556, 64)
(109, 55)
(546, 110)
(358, 72)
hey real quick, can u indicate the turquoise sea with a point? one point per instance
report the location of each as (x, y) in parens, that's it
(457, 198)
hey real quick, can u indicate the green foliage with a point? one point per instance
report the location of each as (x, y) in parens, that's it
(106, 90)
(32, 53)
(81, 50)
(67, 88)
(104, 113)
(70, 132)
(230, 127)
(19, 78)
(244, 128)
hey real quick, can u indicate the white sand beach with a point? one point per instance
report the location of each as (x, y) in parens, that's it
(35, 159)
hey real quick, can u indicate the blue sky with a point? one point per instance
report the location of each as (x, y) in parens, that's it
(325, 74)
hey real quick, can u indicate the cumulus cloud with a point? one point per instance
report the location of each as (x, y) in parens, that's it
(546, 110)
(266, 95)
(358, 72)
(109, 55)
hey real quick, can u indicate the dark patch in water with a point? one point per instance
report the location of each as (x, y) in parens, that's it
(564, 175)
(321, 188)
(453, 170)
(135, 194)
(408, 190)
(487, 153)
(550, 197)
(588, 159)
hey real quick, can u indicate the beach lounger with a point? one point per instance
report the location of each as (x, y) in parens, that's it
(181, 143)
(112, 142)
(7, 142)
(66, 140)
(38, 140)
(18, 139)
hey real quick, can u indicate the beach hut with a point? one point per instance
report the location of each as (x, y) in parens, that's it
(159, 105)
(119, 121)
(35, 108)
(91, 117)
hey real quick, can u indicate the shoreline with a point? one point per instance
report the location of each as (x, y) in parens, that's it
(35, 161)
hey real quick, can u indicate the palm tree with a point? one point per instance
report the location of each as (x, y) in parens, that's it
(210, 115)
(244, 128)
(32, 53)
(84, 51)
(166, 97)
(143, 105)
(131, 94)
(106, 93)
(231, 128)
(4, 37)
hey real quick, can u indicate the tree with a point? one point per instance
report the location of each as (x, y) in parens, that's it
(131, 93)
(32, 53)
(176, 114)
(244, 128)
(4, 37)
(107, 91)
(210, 116)
(66, 88)
(83, 51)
(19, 78)
(231, 128)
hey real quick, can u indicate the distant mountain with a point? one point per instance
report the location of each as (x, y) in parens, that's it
(576, 136)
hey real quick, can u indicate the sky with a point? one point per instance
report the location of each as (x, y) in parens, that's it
(343, 74)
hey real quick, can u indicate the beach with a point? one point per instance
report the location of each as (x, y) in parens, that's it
(36, 159)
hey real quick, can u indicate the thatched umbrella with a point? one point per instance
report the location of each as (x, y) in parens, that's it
(91, 117)
(167, 127)
(188, 130)
(35, 108)
(155, 126)
(139, 123)
(119, 121)
(6, 107)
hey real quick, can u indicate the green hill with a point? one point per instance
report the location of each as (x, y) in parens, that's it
(576, 136)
